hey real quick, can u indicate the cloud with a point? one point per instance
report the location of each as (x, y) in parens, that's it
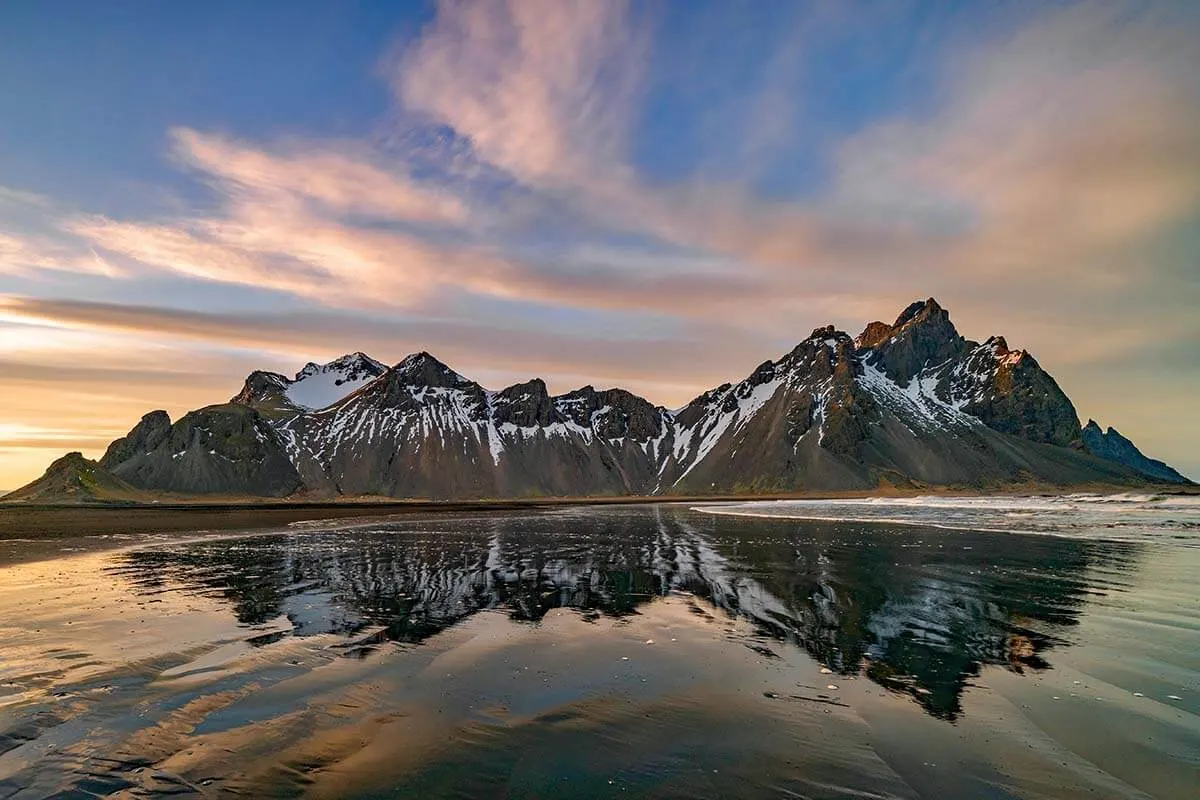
(1079, 133)
(1041, 189)
(1072, 134)
(10, 197)
(23, 255)
(342, 266)
(663, 363)
(75, 389)
(294, 224)
(340, 182)
(297, 222)
(1047, 151)
(1051, 151)
(29, 248)
(540, 88)
(298, 254)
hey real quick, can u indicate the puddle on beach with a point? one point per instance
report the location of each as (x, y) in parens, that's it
(641, 651)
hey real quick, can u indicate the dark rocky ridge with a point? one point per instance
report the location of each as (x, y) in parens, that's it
(263, 388)
(228, 449)
(1006, 389)
(920, 337)
(75, 479)
(613, 413)
(907, 404)
(146, 436)
(1111, 445)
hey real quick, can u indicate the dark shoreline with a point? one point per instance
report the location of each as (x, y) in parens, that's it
(53, 521)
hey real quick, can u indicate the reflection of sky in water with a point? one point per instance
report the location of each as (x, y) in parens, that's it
(455, 653)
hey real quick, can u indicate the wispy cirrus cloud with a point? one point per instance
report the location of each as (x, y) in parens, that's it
(1057, 156)
(1067, 137)
(296, 253)
(662, 365)
(542, 89)
(341, 266)
(1043, 150)
(342, 182)
(24, 255)
(1080, 132)
(1047, 151)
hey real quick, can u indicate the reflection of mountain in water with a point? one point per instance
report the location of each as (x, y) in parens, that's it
(918, 611)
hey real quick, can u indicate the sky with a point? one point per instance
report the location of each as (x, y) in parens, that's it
(656, 195)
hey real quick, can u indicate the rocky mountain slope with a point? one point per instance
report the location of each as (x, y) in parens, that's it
(1111, 445)
(912, 403)
(75, 479)
(222, 449)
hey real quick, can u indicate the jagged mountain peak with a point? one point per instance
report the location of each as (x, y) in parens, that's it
(927, 318)
(1004, 356)
(824, 352)
(535, 386)
(911, 403)
(589, 395)
(149, 433)
(922, 317)
(360, 356)
(350, 366)
(827, 338)
(577, 395)
(158, 417)
(825, 331)
(321, 385)
(532, 391)
(263, 388)
(424, 369)
(922, 336)
(316, 386)
(1096, 427)
(525, 405)
(921, 311)
(874, 334)
(1112, 446)
(1108, 431)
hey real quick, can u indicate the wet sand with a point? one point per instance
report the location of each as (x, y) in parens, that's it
(34, 532)
(644, 651)
(28, 531)
(191, 514)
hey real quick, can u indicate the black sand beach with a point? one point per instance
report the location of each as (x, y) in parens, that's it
(648, 650)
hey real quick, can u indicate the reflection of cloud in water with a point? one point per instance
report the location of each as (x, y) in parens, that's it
(919, 612)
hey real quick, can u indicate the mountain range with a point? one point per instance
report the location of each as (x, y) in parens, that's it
(910, 404)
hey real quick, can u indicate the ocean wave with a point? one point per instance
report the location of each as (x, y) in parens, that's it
(1129, 516)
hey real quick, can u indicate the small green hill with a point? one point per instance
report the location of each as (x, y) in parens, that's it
(75, 479)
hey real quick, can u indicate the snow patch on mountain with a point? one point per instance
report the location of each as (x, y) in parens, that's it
(729, 410)
(319, 386)
(916, 404)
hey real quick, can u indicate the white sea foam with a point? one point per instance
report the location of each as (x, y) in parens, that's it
(1129, 516)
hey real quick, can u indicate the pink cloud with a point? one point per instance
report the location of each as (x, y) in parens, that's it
(541, 88)
(27, 255)
(347, 182)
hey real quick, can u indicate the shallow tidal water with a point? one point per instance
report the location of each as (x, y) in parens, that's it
(634, 651)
